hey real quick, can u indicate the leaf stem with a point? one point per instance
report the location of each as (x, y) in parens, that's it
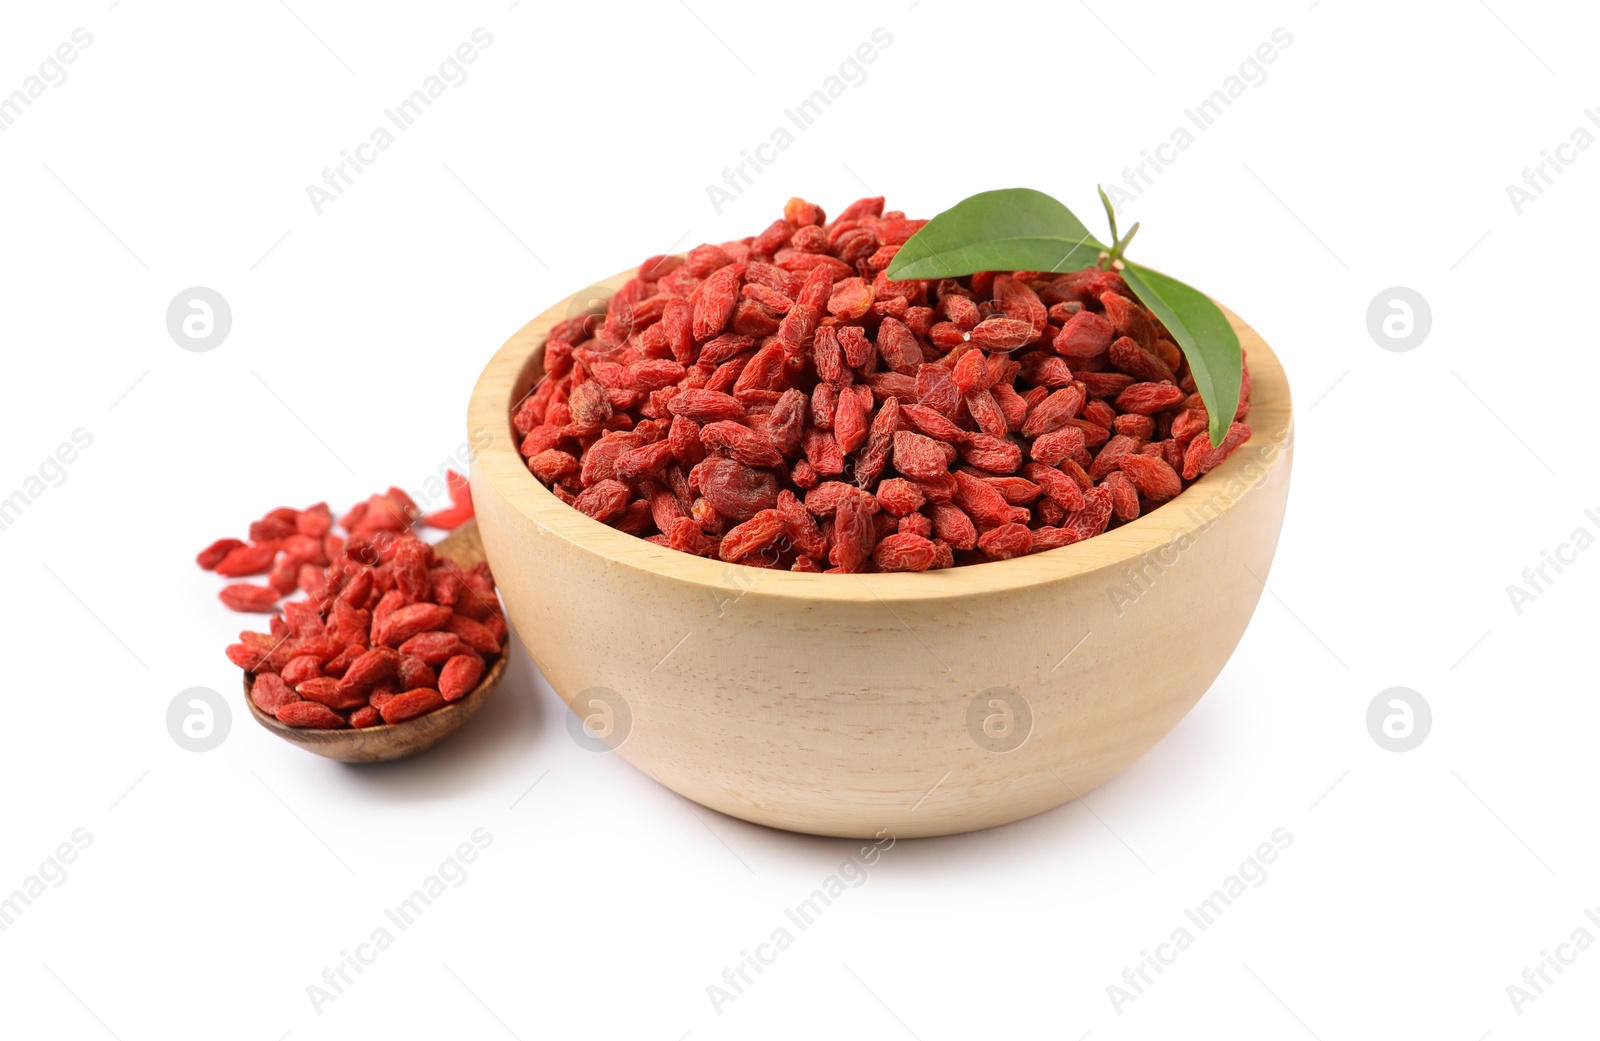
(1121, 245)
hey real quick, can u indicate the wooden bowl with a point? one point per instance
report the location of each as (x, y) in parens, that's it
(905, 704)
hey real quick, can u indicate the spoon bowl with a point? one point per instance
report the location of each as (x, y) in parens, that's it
(391, 741)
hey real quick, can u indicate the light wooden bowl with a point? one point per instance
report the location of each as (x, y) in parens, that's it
(861, 705)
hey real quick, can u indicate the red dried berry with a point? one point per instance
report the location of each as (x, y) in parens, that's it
(406, 622)
(735, 490)
(245, 560)
(900, 497)
(459, 675)
(1155, 479)
(372, 667)
(995, 454)
(1001, 334)
(270, 693)
(309, 714)
(904, 552)
(474, 634)
(898, 347)
(1085, 335)
(917, 455)
(1124, 496)
(366, 715)
(880, 439)
(328, 691)
(1006, 541)
(1127, 355)
(986, 506)
(215, 553)
(1149, 398)
(1057, 445)
(411, 704)
(853, 535)
(1053, 412)
(754, 537)
(705, 406)
(739, 442)
(1061, 489)
(242, 596)
(1201, 457)
(850, 298)
(714, 304)
(604, 500)
(300, 668)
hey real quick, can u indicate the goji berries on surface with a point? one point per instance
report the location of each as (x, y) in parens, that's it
(381, 613)
(777, 401)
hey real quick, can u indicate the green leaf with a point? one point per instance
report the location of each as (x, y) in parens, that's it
(1013, 229)
(1205, 335)
(1111, 214)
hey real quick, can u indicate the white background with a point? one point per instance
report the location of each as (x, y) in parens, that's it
(1376, 153)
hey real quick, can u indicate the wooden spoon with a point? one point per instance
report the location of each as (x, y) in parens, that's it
(390, 741)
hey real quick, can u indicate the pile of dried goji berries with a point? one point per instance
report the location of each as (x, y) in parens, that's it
(778, 401)
(387, 630)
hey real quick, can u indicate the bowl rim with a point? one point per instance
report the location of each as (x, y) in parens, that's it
(498, 463)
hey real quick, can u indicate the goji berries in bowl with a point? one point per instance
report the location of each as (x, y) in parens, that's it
(854, 704)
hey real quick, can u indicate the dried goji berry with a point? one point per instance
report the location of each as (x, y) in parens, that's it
(242, 596)
(850, 298)
(1148, 398)
(1085, 335)
(917, 455)
(300, 668)
(1001, 334)
(1127, 355)
(1006, 541)
(270, 692)
(328, 691)
(1055, 411)
(309, 714)
(411, 704)
(853, 535)
(739, 442)
(904, 552)
(244, 560)
(1124, 496)
(753, 536)
(372, 667)
(459, 675)
(408, 621)
(366, 715)
(898, 347)
(215, 553)
(880, 439)
(900, 497)
(1155, 479)
(735, 490)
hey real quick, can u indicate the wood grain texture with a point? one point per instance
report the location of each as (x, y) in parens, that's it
(839, 704)
(387, 742)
